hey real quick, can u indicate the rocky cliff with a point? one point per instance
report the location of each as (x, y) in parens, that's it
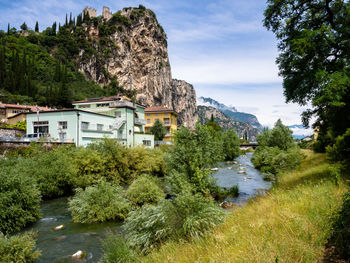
(225, 122)
(134, 52)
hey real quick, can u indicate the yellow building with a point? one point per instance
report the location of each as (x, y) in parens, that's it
(166, 116)
(10, 110)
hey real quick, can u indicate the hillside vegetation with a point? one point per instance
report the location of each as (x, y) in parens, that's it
(290, 224)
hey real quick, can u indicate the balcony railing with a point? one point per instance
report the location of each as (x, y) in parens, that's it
(122, 103)
(140, 121)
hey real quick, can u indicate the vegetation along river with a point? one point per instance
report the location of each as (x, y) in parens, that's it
(58, 245)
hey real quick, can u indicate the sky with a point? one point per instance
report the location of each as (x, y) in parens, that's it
(221, 47)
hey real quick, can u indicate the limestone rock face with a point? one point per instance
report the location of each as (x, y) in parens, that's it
(225, 122)
(137, 56)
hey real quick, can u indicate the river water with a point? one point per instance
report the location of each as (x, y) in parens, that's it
(57, 246)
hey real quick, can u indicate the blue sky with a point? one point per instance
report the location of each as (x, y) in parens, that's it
(218, 46)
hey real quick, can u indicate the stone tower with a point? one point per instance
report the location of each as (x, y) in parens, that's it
(106, 13)
(91, 11)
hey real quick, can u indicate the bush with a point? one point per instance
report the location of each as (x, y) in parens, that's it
(272, 160)
(149, 226)
(18, 248)
(340, 237)
(340, 151)
(144, 190)
(219, 193)
(19, 199)
(186, 216)
(115, 250)
(125, 165)
(99, 203)
(90, 167)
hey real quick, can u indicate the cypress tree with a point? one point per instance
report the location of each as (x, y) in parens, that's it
(54, 26)
(66, 24)
(2, 65)
(36, 26)
(70, 19)
(8, 28)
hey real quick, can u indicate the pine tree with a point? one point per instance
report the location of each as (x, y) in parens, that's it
(36, 26)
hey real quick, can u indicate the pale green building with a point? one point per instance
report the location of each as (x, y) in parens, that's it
(113, 117)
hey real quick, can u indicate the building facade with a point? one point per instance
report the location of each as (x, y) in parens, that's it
(166, 116)
(9, 110)
(108, 117)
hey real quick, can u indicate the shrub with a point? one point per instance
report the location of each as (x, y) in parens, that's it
(340, 151)
(18, 248)
(340, 237)
(272, 160)
(115, 249)
(186, 216)
(19, 199)
(99, 203)
(195, 215)
(144, 190)
(90, 167)
(230, 145)
(149, 226)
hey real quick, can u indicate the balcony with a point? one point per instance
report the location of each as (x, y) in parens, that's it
(139, 121)
(122, 104)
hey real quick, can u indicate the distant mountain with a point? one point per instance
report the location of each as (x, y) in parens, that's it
(226, 122)
(230, 111)
(299, 131)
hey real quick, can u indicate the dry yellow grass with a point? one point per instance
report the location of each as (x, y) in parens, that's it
(289, 224)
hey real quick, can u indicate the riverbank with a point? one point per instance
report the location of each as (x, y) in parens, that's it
(290, 224)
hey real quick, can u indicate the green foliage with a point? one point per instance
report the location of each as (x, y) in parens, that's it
(158, 130)
(99, 203)
(149, 226)
(277, 151)
(21, 125)
(219, 193)
(19, 198)
(230, 145)
(18, 248)
(186, 216)
(124, 165)
(340, 151)
(115, 250)
(144, 190)
(340, 237)
(53, 171)
(314, 61)
(90, 167)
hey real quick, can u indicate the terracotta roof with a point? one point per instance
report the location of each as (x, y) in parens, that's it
(18, 106)
(158, 109)
(99, 99)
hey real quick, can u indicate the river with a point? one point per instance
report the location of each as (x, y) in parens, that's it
(58, 245)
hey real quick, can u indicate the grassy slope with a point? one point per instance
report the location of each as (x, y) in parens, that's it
(290, 224)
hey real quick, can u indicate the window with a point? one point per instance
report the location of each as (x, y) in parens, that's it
(99, 127)
(166, 121)
(148, 114)
(85, 125)
(62, 125)
(118, 114)
(84, 106)
(41, 127)
(148, 121)
(157, 114)
(103, 105)
(166, 114)
(146, 142)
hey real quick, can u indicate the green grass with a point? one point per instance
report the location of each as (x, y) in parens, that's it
(289, 224)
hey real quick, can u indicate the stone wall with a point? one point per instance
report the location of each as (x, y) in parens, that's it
(13, 133)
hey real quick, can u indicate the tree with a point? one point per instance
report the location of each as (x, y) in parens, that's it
(24, 26)
(230, 145)
(158, 130)
(36, 26)
(314, 59)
